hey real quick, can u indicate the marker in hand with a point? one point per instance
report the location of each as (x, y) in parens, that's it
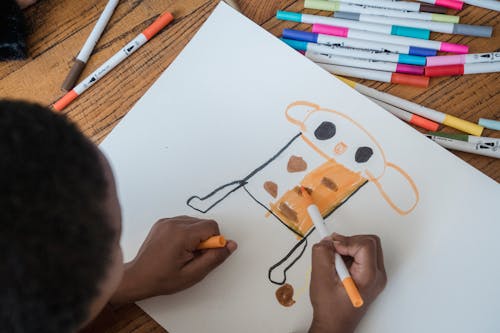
(345, 277)
(213, 242)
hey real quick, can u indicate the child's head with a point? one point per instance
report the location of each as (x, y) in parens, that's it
(60, 223)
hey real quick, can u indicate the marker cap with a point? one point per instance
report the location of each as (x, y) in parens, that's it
(432, 9)
(347, 16)
(300, 35)
(160, 23)
(411, 80)
(410, 32)
(449, 70)
(446, 60)
(288, 16)
(65, 100)
(296, 44)
(472, 30)
(450, 4)
(330, 30)
(411, 60)
(445, 18)
(454, 48)
(491, 124)
(421, 51)
(463, 125)
(321, 5)
(424, 123)
(410, 69)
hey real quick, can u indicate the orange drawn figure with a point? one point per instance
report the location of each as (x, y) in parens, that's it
(333, 156)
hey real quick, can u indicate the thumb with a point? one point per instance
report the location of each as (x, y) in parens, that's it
(323, 264)
(204, 263)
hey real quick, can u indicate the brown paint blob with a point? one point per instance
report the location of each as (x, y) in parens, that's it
(284, 295)
(296, 164)
(271, 188)
(288, 212)
(329, 183)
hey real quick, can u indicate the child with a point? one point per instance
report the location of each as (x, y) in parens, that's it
(60, 227)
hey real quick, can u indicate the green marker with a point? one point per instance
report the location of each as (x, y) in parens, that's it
(493, 143)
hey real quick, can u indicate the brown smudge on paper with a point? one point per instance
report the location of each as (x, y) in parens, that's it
(329, 183)
(296, 164)
(284, 295)
(288, 212)
(271, 188)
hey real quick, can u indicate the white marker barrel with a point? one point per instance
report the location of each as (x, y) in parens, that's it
(352, 62)
(464, 146)
(352, 53)
(400, 113)
(489, 4)
(318, 221)
(362, 44)
(479, 68)
(368, 26)
(400, 5)
(359, 73)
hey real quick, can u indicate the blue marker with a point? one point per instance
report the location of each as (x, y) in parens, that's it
(366, 26)
(491, 124)
(356, 43)
(355, 53)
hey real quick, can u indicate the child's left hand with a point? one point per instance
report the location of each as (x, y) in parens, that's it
(168, 260)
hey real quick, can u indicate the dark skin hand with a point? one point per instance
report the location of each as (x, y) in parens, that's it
(168, 260)
(333, 311)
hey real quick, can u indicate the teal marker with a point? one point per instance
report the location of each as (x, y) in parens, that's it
(366, 26)
(491, 124)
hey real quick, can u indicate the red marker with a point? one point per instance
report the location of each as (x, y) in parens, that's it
(123, 54)
(462, 69)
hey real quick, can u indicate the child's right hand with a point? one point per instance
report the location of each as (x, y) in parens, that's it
(333, 311)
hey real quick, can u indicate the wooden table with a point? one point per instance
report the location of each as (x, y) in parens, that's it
(59, 28)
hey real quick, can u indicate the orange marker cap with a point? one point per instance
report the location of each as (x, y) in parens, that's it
(65, 100)
(160, 23)
(214, 242)
(412, 80)
(352, 292)
(424, 123)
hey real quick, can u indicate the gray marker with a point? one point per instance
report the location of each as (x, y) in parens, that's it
(447, 28)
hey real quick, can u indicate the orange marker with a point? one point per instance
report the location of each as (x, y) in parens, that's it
(123, 54)
(214, 242)
(342, 271)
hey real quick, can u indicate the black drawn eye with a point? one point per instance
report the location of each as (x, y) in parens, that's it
(363, 154)
(325, 131)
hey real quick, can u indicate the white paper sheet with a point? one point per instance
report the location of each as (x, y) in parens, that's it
(218, 113)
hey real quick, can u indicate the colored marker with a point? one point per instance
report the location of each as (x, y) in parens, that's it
(214, 242)
(355, 53)
(342, 271)
(408, 116)
(364, 63)
(490, 142)
(465, 146)
(399, 5)
(368, 74)
(334, 6)
(454, 4)
(489, 4)
(356, 43)
(366, 35)
(463, 69)
(447, 28)
(123, 54)
(88, 47)
(491, 124)
(439, 117)
(473, 58)
(373, 27)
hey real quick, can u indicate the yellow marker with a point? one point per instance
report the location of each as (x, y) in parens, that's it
(439, 117)
(342, 271)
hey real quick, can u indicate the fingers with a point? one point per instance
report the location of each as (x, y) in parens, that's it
(204, 263)
(323, 259)
(364, 249)
(199, 232)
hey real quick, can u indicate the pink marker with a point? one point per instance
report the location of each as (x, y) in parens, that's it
(454, 4)
(474, 58)
(372, 36)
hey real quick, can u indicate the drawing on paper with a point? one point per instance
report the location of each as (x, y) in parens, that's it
(333, 157)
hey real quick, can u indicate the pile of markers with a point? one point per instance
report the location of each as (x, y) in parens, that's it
(389, 41)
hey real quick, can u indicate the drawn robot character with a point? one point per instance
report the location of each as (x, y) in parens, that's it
(332, 157)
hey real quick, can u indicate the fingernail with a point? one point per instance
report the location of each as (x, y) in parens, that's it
(231, 246)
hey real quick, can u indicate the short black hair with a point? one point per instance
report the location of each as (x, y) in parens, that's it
(55, 234)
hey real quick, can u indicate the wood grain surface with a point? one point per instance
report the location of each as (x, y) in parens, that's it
(58, 29)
